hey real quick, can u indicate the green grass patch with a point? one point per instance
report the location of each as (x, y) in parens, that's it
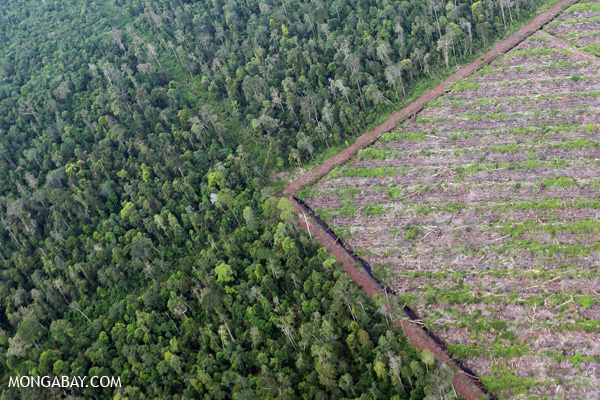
(516, 230)
(575, 21)
(581, 7)
(486, 70)
(376, 154)
(561, 182)
(540, 51)
(589, 326)
(549, 204)
(538, 39)
(462, 86)
(593, 49)
(394, 192)
(374, 210)
(506, 380)
(402, 135)
(364, 172)
(463, 352)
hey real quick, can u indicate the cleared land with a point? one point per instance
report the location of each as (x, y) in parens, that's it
(484, 213)
(579, 26)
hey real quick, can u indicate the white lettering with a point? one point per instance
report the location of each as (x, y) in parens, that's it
(47, 381)
(80, 379)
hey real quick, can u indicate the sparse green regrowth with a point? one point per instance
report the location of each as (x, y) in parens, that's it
(508, 381)
(412, 232)
(462, 86)
(584, 6)
(561, 182)
(535, 38)
(593, 48)
(402, 135)
(493, 217)
(373, 153)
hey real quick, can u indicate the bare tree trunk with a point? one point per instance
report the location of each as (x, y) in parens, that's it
(227, 327)
(361, 96)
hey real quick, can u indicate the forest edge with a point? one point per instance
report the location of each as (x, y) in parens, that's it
(466, 385)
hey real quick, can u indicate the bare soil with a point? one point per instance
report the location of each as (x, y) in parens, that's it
(401, 115)
(468, 387)
(467, 250)
(578, 29)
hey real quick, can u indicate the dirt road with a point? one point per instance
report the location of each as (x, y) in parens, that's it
(400, 116)
(467, 386)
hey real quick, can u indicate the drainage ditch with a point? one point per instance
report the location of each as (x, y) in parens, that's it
(412, 315)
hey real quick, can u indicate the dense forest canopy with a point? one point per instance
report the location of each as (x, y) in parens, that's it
(139, 235)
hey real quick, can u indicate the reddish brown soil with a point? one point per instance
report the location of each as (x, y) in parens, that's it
(466, 386)
(401, 115)
(465, 220)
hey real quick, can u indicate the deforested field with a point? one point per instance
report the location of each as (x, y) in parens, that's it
(483, 212)
(579, 26)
